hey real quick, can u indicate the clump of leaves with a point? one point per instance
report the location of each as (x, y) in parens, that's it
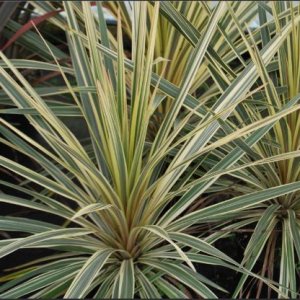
(276, 235)
(124, 198)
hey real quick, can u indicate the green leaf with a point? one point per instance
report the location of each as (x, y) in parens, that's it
(35, 65)
(40, 281)
(185, 276)
(40, 237)
(25, 225)
(287, 278)
(259, 238)
(165, 236)
(126, 286)
(147, 286)
(170, 290)
(295, 230)
(88, 273)
(200, 245)
(90, 209)
(235, 204)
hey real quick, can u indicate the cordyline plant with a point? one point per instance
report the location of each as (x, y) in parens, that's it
(174, 45)
(276, 221)
(171, 44)
(125, 199)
